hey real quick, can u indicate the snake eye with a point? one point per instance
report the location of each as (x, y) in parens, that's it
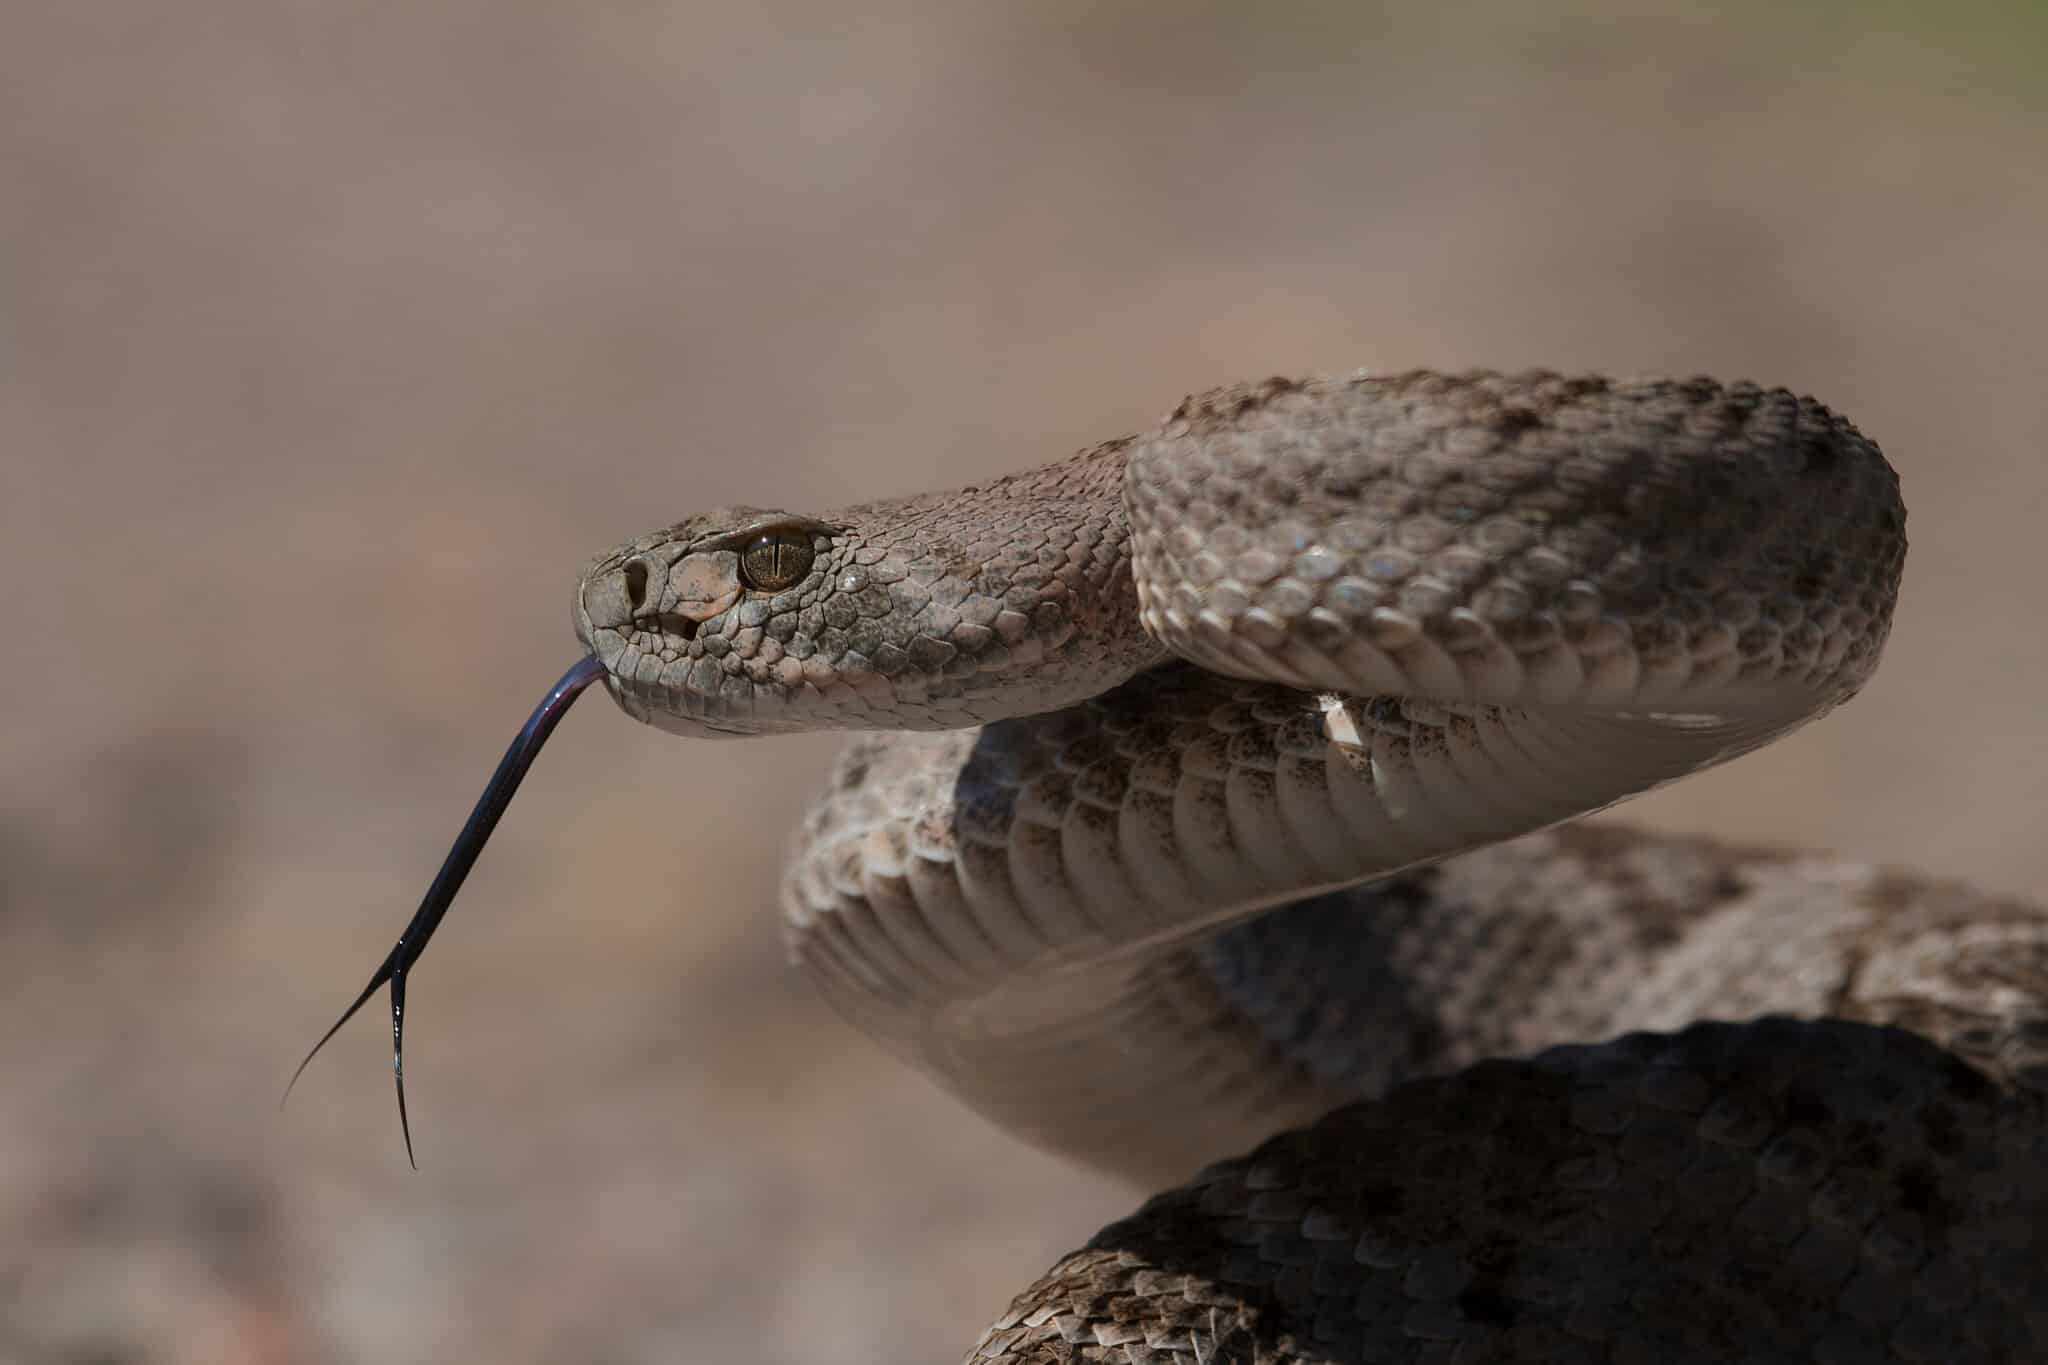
(775, 560)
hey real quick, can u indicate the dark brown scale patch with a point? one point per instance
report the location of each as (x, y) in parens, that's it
(1939, 1127)
(1967, 1083)
(1862, 1145)
(1805, 1107)
(1919, 1187)
(855, 772)
(1486, 1303)
(1231, 403)
(1495, 1261)
(1514, 421)
(1820, 453)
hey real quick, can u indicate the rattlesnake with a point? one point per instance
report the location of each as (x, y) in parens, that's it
(1193, 799)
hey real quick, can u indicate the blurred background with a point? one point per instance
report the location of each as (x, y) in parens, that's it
(335, 338)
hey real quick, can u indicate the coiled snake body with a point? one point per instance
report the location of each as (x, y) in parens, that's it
(1193, 702)
(1178, 818)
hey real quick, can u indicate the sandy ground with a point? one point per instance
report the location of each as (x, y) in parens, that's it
(334, 338)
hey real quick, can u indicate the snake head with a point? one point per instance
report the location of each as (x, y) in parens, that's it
(690, 621)
(934, 612)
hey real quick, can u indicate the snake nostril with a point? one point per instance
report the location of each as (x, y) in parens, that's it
(636, 583)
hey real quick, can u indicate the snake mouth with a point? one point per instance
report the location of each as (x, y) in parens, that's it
(684, 710)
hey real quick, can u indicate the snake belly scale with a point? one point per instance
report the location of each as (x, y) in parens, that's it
(1204, 783)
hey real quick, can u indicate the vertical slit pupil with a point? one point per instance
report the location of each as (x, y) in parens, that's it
(775, 560)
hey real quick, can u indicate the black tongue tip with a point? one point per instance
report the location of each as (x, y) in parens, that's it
(476, 831)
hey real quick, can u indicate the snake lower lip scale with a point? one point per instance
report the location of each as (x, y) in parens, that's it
(1183, 807)
(462, 855)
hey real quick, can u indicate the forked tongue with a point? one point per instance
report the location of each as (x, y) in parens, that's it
(470, 842)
